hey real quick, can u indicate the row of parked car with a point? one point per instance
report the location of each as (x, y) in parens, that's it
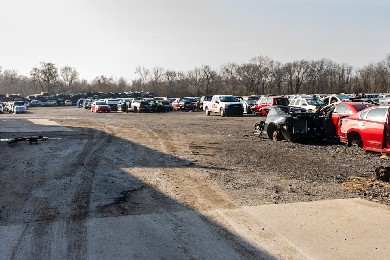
(15, 107)
(139, 105)
(355, 123)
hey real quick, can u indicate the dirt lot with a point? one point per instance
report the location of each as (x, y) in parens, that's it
(120, 164)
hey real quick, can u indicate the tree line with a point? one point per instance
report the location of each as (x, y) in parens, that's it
(260, 75)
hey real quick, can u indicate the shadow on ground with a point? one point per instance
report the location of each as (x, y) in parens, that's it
(74, 196)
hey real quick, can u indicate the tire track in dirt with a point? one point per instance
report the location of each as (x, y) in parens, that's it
(185, 183)
(76, 230)
(37, 232)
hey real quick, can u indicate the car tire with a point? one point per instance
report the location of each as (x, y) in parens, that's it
(276, 135)
(355, 140)
(207, 112)
(222, 112)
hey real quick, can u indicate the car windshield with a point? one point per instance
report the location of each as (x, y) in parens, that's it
(251, 102)
(188, 100)
(315, 102)
(281, 101)
(344, 97)
(228, 99)
(100, 103)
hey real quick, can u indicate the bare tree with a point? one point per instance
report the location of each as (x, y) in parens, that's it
(230, 77)
(194, 78)
(297, 75)
(248, 75)
(157, 77)
(208, 76)
(278, 77)
(170, 77)
(69, 76)
(10, 79)
(143, 73)
(103, 83)
(122, 84)
(46, 75)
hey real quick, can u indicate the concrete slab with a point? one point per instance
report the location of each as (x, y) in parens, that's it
(176, 235)
(30, 126)
(332, 229)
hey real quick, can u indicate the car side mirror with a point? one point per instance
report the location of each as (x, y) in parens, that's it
(217, 102)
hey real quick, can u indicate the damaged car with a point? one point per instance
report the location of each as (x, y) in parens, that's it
(369, 129)
(293, 124)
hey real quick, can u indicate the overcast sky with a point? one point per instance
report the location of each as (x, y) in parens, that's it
(113, 37)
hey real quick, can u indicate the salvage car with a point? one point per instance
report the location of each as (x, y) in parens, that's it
(269, 101)
(139, 106)
(100, 106)
(290, 123)
(185, 103)
(162, 106)
(36, 103)
(368, 129)
(310, 103)
(225, 105)
(113, 103)
(16, 107)
(336, 111)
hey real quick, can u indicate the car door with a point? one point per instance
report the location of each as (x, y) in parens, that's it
(373, 134)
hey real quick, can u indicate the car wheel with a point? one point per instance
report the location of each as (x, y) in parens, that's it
(355, 140)
(207, 112)
(135, 109)
(276, 135)
(222, 112)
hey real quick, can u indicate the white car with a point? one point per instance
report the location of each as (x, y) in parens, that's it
(225, 105)
(310, 103)
(17, 107)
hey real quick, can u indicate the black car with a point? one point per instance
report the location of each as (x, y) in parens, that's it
(292, 124)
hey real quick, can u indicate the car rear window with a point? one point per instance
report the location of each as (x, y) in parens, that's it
(342, 109)
(377, 114)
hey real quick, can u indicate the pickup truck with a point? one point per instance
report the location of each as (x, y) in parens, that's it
(205, 101)
(113, 103)
(225, 105)
(16, 107)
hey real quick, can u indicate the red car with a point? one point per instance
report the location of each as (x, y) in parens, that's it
(336, 111)
(100, 106)
(269, 101)
(185, 104)
(368, 129)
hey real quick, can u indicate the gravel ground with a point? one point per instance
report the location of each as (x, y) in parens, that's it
(254, 170)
